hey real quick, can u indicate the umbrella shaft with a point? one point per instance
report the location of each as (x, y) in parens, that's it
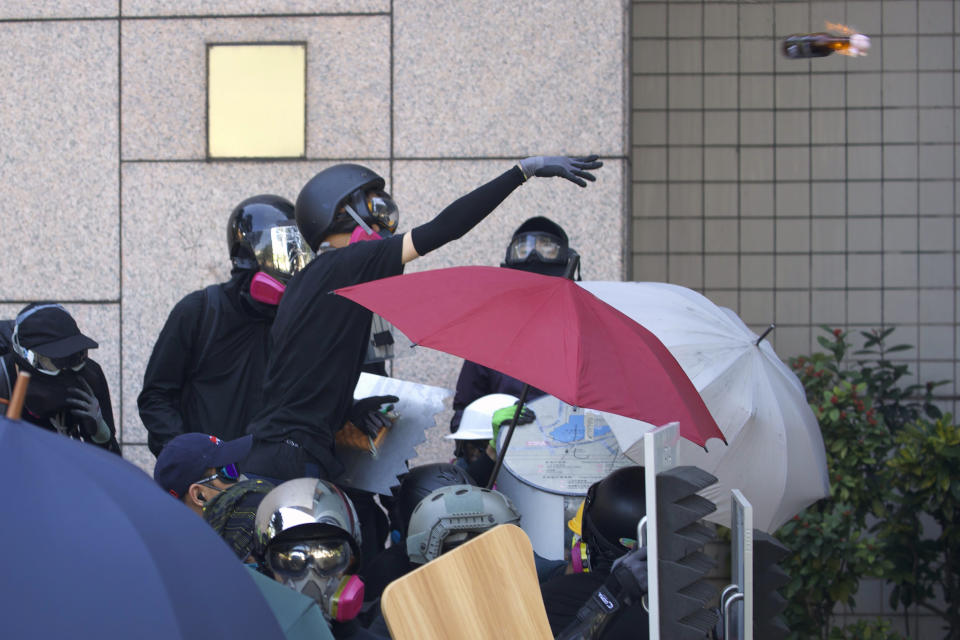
(506, 438)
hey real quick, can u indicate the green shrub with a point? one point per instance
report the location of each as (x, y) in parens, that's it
(861, 406)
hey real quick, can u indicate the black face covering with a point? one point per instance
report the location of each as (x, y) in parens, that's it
(240, 278)
(47, 394)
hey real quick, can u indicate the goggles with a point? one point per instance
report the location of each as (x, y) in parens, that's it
(227, 473)
(53, 366)
(545, 245)
(369, 207)
(294, 559)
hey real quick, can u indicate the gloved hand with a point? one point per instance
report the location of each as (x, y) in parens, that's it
(86, 408)
(626, 586)
(573, 169)
(366, 415)
(506, 415)
(630, 573)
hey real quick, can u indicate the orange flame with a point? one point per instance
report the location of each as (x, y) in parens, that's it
(858, 45)
(841, 29)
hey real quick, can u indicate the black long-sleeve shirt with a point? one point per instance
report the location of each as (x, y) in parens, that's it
(206, 370)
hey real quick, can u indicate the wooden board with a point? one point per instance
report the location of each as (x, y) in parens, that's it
(486, 588)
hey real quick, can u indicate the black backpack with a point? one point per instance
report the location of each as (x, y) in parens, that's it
(6, 333)
(6, 346)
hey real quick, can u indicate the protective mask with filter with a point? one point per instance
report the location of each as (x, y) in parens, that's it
(266, 289)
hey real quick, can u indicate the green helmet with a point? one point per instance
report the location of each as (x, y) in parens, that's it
(449, 516)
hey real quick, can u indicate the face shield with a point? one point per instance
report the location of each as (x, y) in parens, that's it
(280, 251)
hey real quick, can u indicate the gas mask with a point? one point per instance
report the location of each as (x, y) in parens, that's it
(368, 207)
(360, 235)
(280, 254)
(316, 568)
(266, 289)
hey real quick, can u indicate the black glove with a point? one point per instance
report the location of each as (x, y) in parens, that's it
(573, 169)
(86, 408)
(627, 584)
(628, 576)
(366, 415)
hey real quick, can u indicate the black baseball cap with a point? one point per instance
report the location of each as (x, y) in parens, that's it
(48, 329)
(186, 458)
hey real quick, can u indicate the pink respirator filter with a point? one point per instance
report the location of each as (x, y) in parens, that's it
(359, 235)
(266, 289)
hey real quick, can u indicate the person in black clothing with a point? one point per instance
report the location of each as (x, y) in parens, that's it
(539, 245)
(414, 486)
(608, 530)
(68, 392)
(319, 340)
(205, 374)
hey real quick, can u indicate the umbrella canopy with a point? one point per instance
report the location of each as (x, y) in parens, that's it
(95, 547)
(775, 455)
(546, 331)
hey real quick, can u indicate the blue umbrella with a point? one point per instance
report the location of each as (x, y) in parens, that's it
(94, 548)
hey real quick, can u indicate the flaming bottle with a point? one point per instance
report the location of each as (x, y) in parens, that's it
(817, 45)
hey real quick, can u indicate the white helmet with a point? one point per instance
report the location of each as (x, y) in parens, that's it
(477, 420)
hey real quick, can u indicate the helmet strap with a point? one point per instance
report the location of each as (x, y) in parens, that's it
(356, 216)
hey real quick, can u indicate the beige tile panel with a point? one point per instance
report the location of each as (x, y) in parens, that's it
(28, 9)
(522, 79)
(250, 7)
(165, 78)
(174, 225)
(101, 322)
(58, 135)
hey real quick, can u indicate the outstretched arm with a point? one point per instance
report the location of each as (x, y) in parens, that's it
(467, 211)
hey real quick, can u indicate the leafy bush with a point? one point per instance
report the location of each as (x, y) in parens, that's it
(924, 475)
(861, 407)
(878, 629)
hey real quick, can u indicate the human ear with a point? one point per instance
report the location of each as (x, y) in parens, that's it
(195, 493)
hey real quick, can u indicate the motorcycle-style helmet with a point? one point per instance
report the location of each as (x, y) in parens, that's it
(341, 197)
(611, 511)
(449, 516)
(539, 245)
(262, 234)
(308, 508)
(417, 483)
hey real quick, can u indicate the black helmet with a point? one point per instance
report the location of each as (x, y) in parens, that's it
(262, 234)
(418, 482)
(612, 509)
(333, 199)
(539, 245)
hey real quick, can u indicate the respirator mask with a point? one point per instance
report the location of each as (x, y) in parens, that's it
(316, 568)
